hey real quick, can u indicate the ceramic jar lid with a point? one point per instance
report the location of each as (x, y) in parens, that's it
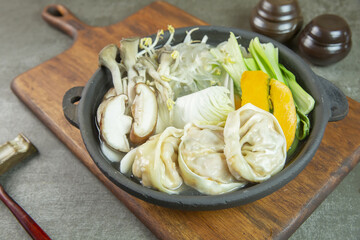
(278, 19)
(329, 29)
(325, 40)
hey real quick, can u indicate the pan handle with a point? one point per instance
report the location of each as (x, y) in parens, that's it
(70, 105)
(337, 100)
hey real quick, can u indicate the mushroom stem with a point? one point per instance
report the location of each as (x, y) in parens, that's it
(128, 52)
(107, 58)
(164, 96)
(165, 60)
(141, 70)
(163, 87)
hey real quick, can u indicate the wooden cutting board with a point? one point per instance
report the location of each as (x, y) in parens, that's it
(275, 216)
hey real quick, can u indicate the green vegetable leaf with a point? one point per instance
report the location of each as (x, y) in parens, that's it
(304, 102)
(293, 147)
(303, 127)
(267, 57)
(251, 64)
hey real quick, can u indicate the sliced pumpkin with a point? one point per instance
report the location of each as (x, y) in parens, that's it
(255, 89)
(284, 109)
(237, 100)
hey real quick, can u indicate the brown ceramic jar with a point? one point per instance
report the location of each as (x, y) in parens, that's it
(278, 19)
(325, 40)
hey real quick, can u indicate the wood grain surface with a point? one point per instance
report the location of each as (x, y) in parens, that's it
(275, 216)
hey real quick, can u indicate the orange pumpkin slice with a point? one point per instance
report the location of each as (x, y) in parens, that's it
(284, 109)
(255, 89)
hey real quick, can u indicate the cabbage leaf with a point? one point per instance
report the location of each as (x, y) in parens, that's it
(209, 106)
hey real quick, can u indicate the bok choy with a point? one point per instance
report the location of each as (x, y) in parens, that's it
(305, 103)
(266, 57)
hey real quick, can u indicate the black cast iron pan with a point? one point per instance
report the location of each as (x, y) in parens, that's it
(331, 105)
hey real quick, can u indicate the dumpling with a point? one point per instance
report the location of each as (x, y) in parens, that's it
(155, 161)
(202, 161)
(255, 145)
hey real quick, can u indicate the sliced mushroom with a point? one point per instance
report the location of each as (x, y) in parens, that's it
(114, 124)
(107, 58)
(100, 110)
(144, 110)
(109, 94)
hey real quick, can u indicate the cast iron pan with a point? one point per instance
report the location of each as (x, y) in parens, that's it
(331, 105)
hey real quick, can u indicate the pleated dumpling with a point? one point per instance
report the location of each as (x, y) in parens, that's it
(202, 161)
(255, 145)
(155, 161)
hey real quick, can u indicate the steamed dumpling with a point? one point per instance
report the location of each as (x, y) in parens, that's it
(202, 161)
(155, 161)
(255, 145)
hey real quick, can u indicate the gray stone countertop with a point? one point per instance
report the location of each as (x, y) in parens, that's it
(61, 194)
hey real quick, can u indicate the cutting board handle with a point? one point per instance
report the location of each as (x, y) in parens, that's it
(61, 18)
